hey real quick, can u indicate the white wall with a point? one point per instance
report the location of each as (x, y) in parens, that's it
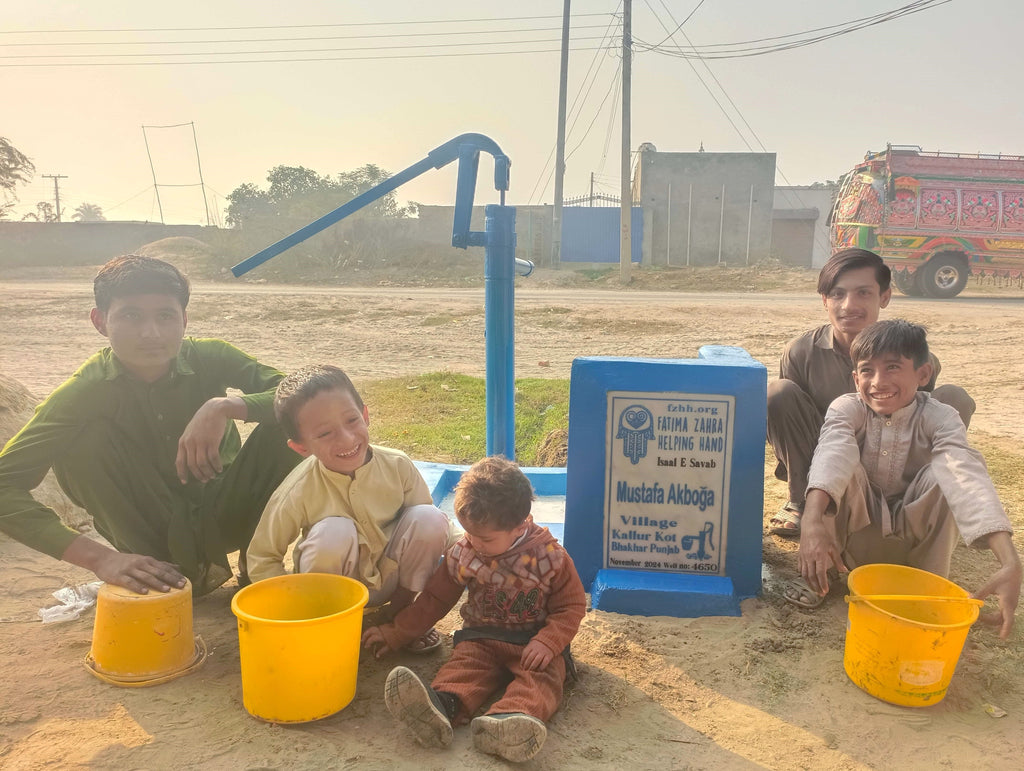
(805, 197)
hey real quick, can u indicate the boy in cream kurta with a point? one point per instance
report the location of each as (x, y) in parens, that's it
(358, 510)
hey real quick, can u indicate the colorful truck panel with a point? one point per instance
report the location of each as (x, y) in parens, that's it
(935, 218)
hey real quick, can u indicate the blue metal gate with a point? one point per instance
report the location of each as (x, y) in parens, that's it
(592, 234)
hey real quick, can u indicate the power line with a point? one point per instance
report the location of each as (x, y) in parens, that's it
(130, 198)
(615, 81)
(612, 113)
(300, 59)
(679, 26)
(573, 112)
(597, 113)
(288, 50)
(295, 27)
(877, 18)
(735, 107)
(700, 79)
(742, 50)
(389, 35)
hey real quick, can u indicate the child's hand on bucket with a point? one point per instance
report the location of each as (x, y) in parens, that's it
(373, 640)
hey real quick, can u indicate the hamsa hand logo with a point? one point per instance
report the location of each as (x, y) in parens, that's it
(636, 428)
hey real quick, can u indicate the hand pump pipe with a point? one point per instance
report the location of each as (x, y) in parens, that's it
(500, 265)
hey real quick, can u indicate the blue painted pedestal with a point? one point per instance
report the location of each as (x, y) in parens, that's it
(665, 481)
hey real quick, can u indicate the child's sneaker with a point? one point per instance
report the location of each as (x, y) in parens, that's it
(513, 736)
(418, 706)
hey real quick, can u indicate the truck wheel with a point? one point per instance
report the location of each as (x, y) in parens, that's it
(944, 275)
(908, 283)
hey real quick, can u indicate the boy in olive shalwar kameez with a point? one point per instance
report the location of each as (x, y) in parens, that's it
(143, 438)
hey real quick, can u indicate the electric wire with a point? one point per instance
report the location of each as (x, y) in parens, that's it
(679, 26)
(612, 114)
(293, 50)
(301, 59)
(293, 26)
(304, 39)
(707, 88)
(739, 112)
(572, 111)
(742, 49)
(616, 80)
(880, 17)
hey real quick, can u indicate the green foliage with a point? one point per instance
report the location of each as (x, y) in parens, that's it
(295, 192)
(441, 416)
(15, 169)
(248, 203)
(296, 196)
(44, 213)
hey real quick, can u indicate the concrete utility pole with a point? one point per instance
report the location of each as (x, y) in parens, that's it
(56, 189)
(556, 215)
(626, 186)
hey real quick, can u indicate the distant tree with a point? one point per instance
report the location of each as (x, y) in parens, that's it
(288, 183)
(296, 192)
(44, 213)
(248, 203)
(88, 212)
(362, 179)
(15, 168)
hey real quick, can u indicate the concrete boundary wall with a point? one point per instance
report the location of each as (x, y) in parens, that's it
(85, 243)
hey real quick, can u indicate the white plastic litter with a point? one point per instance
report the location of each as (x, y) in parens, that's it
(74, 600)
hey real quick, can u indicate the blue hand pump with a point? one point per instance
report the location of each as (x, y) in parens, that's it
(500, 265)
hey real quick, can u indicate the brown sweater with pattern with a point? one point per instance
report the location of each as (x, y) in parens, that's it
(532, 586)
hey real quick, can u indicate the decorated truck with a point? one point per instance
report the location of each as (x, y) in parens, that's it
(934, 217)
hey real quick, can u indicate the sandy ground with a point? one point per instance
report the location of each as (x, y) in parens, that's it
(763, 690)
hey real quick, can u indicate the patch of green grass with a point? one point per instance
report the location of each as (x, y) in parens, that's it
(441, 416)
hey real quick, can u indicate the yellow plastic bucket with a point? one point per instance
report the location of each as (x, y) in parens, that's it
(298, 639)
(904, 651)
(143, 639)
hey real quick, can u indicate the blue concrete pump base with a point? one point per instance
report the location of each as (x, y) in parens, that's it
(642, 593)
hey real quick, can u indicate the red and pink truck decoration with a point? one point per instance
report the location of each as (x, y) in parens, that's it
(934, 217)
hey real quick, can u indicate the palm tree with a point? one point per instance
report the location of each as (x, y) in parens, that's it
(88, 212)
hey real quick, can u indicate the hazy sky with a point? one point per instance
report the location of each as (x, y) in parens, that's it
(947, 78)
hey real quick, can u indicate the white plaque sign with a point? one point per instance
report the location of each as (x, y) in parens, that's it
(668, 464)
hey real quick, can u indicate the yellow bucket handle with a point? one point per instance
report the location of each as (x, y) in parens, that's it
(912, 598)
